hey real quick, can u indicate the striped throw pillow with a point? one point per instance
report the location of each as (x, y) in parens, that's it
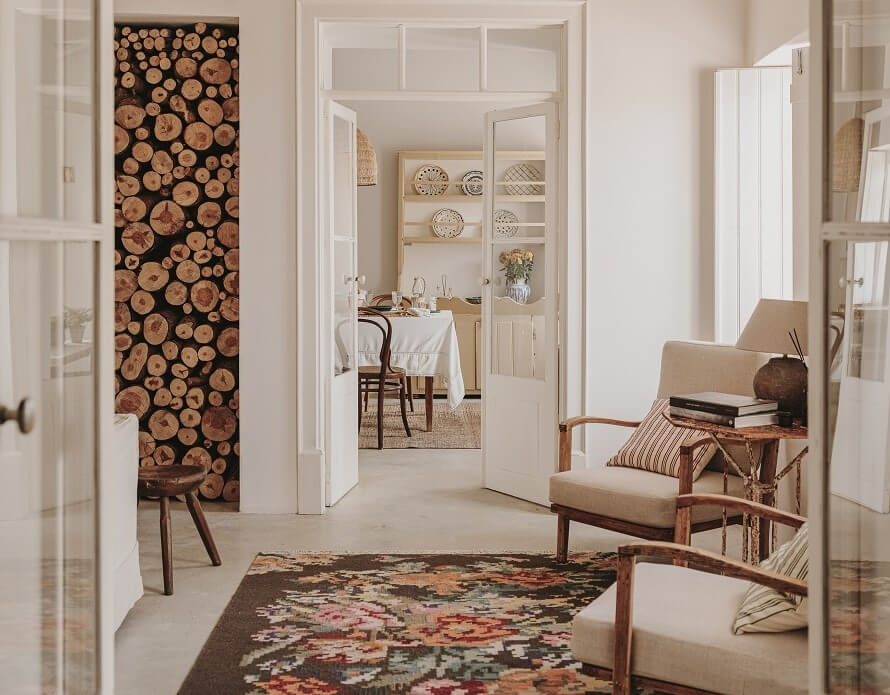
(655, 446)
(767, 610)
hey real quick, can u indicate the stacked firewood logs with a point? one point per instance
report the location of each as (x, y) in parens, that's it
(176, 257)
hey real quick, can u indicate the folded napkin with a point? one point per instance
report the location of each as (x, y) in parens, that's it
(416, 311)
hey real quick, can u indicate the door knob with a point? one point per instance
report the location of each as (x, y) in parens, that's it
(484, 281)
(23, 415)
(360, 279)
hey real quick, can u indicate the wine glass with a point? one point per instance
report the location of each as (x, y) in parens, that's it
(396, 299)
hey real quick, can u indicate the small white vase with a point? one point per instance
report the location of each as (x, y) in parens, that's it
(76, 333)
(518, 290)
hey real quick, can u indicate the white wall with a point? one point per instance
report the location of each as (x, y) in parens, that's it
(773, 23)
(651, 191)
(268, 381)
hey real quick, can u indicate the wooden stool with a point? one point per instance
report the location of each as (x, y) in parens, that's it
(166, 482)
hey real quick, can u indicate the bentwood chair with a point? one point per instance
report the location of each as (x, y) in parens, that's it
(384, 378)
(386, 299)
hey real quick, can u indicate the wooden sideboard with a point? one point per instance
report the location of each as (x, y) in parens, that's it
(468, 325)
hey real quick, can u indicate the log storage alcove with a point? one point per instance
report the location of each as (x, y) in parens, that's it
(176, 255)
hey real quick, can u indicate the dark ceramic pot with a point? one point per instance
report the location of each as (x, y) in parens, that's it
(783, 379)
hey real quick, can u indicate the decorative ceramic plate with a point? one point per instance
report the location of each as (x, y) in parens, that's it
(472, 183)
(447, 223)
(431, 180)
(516, 175)
(505, 224)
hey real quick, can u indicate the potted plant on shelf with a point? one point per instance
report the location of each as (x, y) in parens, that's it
(517, 266)
(76, 320)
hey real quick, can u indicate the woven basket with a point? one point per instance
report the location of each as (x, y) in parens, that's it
(367, 160)
(846, 148)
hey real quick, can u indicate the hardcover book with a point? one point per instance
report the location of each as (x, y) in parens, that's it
(729, 404)
(756, 420)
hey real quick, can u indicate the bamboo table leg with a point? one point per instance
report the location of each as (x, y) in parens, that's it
(428, 401)
(768, 476)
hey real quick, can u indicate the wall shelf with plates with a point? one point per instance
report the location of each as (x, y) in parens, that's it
(440, 202)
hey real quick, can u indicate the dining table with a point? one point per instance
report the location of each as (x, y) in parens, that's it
(424, 346)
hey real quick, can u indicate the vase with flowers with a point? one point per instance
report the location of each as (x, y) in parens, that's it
(76, 320)
(517, 266)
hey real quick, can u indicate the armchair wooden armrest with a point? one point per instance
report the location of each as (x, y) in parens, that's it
(745, 506)
(565, 435)
(701, 561)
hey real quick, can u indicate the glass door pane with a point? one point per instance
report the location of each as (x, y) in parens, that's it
(524, 60)
(47, 145)
(519, 246)
(442, 59)
(48, 629)
(343, 220)
(859, 503)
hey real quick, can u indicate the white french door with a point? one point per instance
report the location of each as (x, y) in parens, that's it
(520, 325)
(56, 396)
(341, 463)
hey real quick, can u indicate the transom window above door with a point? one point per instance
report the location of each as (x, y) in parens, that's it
(459, 59)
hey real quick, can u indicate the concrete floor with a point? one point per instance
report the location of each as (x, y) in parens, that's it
(407, 500)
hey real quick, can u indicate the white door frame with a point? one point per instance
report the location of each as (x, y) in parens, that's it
(312, 343)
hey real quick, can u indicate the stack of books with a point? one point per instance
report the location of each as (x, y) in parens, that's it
(725, 409)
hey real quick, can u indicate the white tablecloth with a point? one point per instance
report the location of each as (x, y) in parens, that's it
(422, 346)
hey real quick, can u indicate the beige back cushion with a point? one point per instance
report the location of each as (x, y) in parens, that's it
(692, 367)
(688, 367)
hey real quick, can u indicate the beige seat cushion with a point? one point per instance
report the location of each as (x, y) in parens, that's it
(636, 496)
(682, 633)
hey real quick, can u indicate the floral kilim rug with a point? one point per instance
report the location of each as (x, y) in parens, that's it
(319, 624)
(860, 628)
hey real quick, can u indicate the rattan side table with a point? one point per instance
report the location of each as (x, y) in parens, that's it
(760, 476)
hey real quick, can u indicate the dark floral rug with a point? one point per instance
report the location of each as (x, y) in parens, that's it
(318, 624)
(860, 628)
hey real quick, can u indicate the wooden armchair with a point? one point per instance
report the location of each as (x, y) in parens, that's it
(683, 613)
(637, 502)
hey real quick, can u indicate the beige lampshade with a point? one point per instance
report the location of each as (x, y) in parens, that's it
(367, 160)
(767, 329)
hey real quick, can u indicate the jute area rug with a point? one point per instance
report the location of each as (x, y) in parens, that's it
(452, 429)
(319, 624)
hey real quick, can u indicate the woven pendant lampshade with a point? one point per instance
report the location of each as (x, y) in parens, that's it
(367, 160)
(847, 156)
